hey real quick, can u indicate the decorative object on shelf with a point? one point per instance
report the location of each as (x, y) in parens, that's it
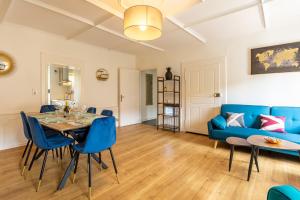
(6, 63)
(168, 74)
(102, 74)
(168, 103)
(276, 59)
(142, 21)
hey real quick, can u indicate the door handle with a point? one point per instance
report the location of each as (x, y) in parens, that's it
(121, 97)
(217, 94)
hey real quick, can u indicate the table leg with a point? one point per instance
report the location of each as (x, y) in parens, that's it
(67, 174)
(251, 162)
(231, 156)
(95, 157)
(256, 157)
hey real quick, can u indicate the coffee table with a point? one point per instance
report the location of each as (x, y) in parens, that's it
(236, 141)
(258, 141)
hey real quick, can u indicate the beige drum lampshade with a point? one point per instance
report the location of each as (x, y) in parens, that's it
(143, 22)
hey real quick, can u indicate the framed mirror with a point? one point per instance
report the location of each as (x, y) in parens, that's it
(6, 63)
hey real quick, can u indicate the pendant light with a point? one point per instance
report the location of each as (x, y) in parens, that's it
(143, 22)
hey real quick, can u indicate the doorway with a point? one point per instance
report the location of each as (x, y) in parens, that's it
(205, 91)
(149, 97)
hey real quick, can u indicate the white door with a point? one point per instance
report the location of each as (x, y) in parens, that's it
(129, 97)
(205, 90)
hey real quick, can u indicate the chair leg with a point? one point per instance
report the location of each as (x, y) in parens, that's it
(90, 176)
(70, 151)
(57, 157)
(27, 157)
(33, 159)
(114, 164)
(76, 164)
(42, 170)
(60, 152)
(52, 154)
(100, 160)
(28, 142)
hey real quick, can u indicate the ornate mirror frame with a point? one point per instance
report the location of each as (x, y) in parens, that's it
(6, 63)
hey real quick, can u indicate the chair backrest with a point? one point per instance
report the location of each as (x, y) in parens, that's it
(26, 127)
(47, 108)
(92, 110)
(101, 136)
(37, 133)
(107, 113)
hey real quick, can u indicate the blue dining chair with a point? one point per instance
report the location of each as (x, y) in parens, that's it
(29, 144)
(107, 113)
(92, 110)
(47, 108)
(45, 144)
(101, 136)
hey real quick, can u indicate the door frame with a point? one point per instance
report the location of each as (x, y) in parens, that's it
(119, 94)
(141, 78)
(223, 82)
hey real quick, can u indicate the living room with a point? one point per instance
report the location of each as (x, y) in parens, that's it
(220, 80)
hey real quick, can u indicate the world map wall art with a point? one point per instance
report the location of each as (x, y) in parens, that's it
(276, 59)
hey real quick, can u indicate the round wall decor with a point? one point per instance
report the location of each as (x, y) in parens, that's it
(6, 63)
(102, 74)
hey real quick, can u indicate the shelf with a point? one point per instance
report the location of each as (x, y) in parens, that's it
(168, 127)
(168, 115)
(171, 105)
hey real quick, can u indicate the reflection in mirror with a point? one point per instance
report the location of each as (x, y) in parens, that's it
(63, 84)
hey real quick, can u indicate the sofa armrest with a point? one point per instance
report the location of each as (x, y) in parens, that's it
(283, 192)
(210, 127)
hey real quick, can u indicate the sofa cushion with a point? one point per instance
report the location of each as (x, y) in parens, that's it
(235, 120)
(246, 132)
(219, 122)
(292, 115)
(251, 113)
(272, 123)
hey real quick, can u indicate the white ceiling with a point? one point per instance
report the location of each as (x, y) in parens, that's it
(187, 23)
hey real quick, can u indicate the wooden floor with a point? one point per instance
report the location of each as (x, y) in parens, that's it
(154, 165)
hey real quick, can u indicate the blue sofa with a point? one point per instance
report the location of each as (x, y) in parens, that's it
(252, 122)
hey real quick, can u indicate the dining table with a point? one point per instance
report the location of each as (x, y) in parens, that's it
(64, 123)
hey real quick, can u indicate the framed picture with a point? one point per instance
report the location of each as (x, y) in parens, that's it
(276, 59)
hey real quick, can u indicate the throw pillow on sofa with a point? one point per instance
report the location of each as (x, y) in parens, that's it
(272, 123)
(235, 120)
(219, 122)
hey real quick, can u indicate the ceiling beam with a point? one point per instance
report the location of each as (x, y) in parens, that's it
(86, 21)
(262, 13)
(225, 13)
(4, 8)
(173, 20)
(89, 27)
(188, 30)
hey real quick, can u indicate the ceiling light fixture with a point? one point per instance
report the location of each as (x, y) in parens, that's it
(143, 22)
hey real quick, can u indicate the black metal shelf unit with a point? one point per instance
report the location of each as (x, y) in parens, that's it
(168, 103)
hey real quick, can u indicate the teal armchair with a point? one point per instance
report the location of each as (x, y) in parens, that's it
(283, 192)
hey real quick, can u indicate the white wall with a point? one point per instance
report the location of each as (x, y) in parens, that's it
(243, 88)
(148, 112)
(25, 45)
